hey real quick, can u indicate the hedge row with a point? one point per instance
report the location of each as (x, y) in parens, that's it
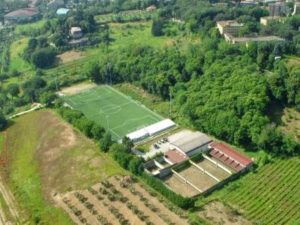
(182, 202)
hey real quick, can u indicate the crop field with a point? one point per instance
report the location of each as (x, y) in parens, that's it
(117, 200)
(270, 196)
(113, 110)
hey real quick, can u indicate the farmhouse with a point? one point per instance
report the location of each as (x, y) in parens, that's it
(76, 32)
(21, 16)
(231, 27)
(191, 143)
(151, 8)
(227, 155)
(267, 19)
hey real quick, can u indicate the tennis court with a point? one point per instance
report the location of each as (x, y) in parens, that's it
(113, 110)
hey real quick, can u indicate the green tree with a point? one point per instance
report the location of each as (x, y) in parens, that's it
(44, 57)
(3, 122)
(106, 142)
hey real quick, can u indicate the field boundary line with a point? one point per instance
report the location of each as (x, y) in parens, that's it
(135, 102)
(187, 181)
(204, 171)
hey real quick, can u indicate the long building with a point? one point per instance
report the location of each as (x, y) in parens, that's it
(151, 130)
(230, 157)
(24, 15)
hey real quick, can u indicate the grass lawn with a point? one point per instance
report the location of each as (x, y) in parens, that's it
(113, 110)
(48, 161)
(29, 27)
(153, 102)
(269, 196)
(16, 61)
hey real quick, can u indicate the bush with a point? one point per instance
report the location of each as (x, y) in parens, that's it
(44, 57)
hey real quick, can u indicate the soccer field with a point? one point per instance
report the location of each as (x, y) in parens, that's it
(113, 110)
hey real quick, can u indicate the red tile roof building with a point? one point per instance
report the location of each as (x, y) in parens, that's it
(175, 156)
(229, 156)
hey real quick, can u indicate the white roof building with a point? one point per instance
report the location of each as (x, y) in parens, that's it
(138, 135)
(151, 130)
(189, 142)
(160, 126)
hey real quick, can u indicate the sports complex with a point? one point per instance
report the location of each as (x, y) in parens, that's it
(113, 110)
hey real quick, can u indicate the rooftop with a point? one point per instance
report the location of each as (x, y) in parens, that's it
(175, 156)
(62, 11)
(26, 12)
(257, 39)
(75, 29)
(226, 153)
(232, 23)
(191, 141)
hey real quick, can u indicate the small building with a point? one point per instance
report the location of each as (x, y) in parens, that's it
(231, 27)
(24, 15)
(76, 32)
(62, 12)
(151, 8)
(267, 19)
(55, 4)
(230, 157)
(191, 144)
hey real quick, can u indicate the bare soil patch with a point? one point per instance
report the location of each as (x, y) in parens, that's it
(217, 213)
(68, 160)
(213, 169)
(77, 88)
(179, 186)
(198, 178)
(70, 56)
(116, 200)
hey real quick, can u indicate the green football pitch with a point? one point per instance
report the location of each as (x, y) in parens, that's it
(113, 110)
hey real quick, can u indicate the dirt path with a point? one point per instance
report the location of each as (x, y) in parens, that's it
(10, 201)
(36, 107)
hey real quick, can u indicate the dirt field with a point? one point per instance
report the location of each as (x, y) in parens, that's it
(67, 159)
(114, 201)
(77, 88)
(198, 178)
(70, 56)
(217, 213)
(178, 186)
(213, 169)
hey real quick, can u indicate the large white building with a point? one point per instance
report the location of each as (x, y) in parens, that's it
(151, 130)
(191, 143)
